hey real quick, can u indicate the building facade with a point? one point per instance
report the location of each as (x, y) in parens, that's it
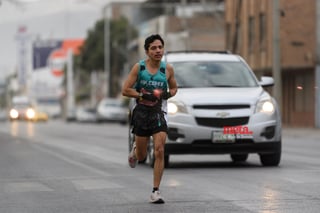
(249, 32)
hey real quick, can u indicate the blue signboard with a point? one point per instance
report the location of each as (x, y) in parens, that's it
(42, 50)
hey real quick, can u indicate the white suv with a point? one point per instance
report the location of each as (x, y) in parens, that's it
(220, 108)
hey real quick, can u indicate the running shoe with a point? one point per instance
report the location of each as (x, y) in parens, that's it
(132, 160)
(156, 197)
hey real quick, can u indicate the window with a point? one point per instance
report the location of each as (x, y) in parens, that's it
(262, 31)
(228, 36)
(251, 34)
(303, 89)
(213, 74)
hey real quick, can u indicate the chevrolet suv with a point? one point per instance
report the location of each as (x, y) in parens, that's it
(220, 108)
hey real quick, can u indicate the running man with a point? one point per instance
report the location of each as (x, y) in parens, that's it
(151, 81)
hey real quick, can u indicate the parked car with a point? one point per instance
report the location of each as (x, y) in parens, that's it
(71, 115)
(220, 108)
(112, 110)
(86, 114)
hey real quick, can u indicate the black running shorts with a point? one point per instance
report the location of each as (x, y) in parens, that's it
(147, 121)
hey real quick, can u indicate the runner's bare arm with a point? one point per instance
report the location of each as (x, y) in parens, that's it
(173, 87)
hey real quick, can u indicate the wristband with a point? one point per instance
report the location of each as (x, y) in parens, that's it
(166, 95)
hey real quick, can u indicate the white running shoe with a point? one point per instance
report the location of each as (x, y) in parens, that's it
(156, 197)
(132, 160)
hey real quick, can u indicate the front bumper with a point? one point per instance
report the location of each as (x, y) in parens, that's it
(188, 137)
(20, 118)
(206, 147)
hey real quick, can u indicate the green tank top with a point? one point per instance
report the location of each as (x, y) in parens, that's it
(150, 81)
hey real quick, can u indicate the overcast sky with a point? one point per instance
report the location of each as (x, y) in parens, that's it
(56, 19)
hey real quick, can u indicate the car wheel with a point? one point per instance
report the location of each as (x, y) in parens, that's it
(270, 159)
(123, 122)
(130, 138)
(166, 161)
(239, 157)
(151, 157)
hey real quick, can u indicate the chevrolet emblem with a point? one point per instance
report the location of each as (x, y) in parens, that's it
(222, 114)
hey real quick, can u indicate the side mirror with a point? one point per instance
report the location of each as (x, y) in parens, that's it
(266, 81)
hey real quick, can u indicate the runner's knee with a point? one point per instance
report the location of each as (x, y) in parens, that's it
(159, 151)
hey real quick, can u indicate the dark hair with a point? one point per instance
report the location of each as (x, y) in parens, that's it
(151, 39)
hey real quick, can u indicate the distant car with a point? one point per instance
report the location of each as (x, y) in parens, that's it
(21, 112)
(86, 114)
(40, 116)
(112, 109)
(71, 115)
(220, 108)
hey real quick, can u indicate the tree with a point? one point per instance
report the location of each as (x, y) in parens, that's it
(92, 53)
(91, 57)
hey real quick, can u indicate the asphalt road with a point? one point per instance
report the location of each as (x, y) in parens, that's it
(73, 168)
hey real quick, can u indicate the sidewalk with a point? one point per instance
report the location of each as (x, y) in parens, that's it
(301, 131)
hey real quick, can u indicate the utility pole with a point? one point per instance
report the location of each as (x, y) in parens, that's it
(276, 68)
(317, 71)
(70, 90)
(22, 72)
(94, 84)
(107, 66)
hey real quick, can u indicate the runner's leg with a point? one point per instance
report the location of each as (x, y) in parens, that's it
(159, 140)
(141, 147)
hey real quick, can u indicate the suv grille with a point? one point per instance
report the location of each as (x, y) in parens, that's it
(236, 106)
(222, 122)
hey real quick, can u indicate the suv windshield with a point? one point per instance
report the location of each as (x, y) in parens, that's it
(213, 74)
(22, 106)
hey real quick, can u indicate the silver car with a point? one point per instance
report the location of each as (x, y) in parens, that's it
(220, 108)
(112, 110)
(86, 114)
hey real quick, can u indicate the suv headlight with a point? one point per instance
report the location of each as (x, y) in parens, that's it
(30, 113)
(265, 106)
(14, 114)
(175, 107)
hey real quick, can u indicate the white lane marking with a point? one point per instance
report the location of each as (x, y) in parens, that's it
(91, 184)
(26, 187)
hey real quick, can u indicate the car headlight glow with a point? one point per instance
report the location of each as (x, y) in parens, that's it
(172, 108)
(30, 113)
(14, 114)
(265, 106)
(175, 107)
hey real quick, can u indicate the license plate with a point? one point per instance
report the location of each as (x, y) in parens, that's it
(220, 137)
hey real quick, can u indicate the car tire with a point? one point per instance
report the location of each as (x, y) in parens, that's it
(130, 139)
(123, 122)
(237, 158)
(270, 159)
(166, 161)
(151, 157)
